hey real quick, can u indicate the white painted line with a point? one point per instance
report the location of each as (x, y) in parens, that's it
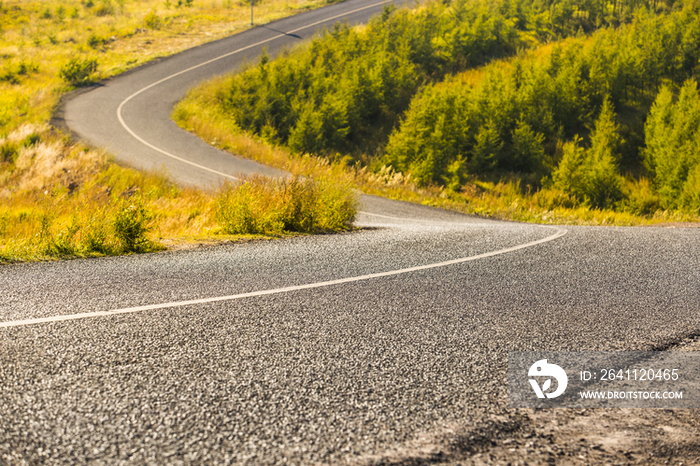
(180, 159)
(129, 310)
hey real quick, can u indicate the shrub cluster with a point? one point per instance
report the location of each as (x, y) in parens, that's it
(261, 205)
(79, 72)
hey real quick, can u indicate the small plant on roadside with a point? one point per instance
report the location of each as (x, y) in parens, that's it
(79, 72)
(263, 205)
(131, 223)
(152, 20)
(95, 41)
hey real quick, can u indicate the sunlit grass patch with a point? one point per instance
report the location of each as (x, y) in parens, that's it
(264, 206)
(50, 46)
(64, 200)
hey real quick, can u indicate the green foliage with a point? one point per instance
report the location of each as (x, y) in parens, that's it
(603, 183)
(569, 175)
(511, 119)
(152, 20)
(641, 198)
(528, 149)
(131, 223)
(592, 175)
(94, 41)
(104, 8)
(13, 73)
(10, 148)
(440, 130)
(672, 150)
(79, 72)
(348, 88)
(271, 206)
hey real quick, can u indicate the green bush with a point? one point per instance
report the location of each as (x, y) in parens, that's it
(152, 20)
(131, 222)
(641, 198)
(95, 41)
(262, 205)
(104, 8)
(8, 152)
(592, 175)
(79, 72)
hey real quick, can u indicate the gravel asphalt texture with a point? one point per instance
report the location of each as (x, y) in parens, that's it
(322, 375)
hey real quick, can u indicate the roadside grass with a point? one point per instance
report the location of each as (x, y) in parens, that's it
(59, 199)
(64, 200)
(199, 112)
(39, 39)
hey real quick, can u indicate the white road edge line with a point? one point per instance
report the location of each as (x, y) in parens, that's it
(129, 310)
(180, 159)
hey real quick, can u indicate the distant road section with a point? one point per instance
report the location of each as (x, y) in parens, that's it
(130, 114)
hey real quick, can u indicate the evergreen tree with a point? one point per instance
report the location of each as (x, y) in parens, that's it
(602, 180)
(569, 175)
(672, 145)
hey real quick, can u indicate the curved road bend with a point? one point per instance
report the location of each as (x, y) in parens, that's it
(130, 115)
(304, 350)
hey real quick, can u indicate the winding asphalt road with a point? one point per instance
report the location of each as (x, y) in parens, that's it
(308, 350)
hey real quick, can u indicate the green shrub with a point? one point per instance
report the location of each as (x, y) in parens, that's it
(104, 8)
(8, 152)
(262, 205)
(95, 41)
(9, 76)
(592, 175)
(152, 20)
(569, 176)
(95, 237)
(79, 72)
(602, 180)
(552, 198)
(131, 222)
(641, 199)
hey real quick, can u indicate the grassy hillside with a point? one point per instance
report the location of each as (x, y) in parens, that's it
(66, 200)
(549, 129)
(59, 199)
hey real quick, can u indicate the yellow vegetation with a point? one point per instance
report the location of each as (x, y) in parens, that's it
(60, 199)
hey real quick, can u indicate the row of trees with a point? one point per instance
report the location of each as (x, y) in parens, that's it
(569, 115)
(672, 152)
(555, 115)
(347, 90)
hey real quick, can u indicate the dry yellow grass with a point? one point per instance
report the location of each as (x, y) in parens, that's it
(60, 199)
(38, 37)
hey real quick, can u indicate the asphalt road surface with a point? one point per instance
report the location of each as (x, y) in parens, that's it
(309, 350)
